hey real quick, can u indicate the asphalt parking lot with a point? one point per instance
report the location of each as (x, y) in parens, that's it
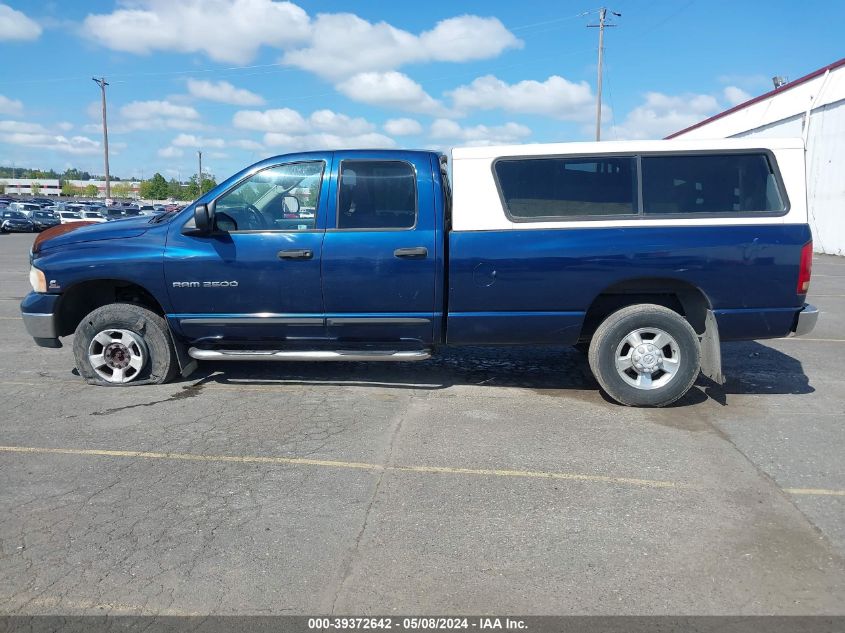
(483, 481)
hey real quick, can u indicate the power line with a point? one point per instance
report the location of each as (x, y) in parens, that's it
(279, 66)
(554, 21)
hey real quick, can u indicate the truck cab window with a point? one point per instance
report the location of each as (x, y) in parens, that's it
(281, 198)
(377, 194)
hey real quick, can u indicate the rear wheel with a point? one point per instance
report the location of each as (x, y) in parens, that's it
(124, 344)
(645, 355)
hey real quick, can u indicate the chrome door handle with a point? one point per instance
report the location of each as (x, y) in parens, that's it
(416, 251)
(296, 253)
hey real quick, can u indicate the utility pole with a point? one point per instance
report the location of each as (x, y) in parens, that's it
(199, 173)
(102, 83)
(601, 26)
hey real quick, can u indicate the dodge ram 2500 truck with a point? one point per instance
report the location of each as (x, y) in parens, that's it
(648, 254)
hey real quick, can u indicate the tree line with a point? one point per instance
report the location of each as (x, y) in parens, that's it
(155, 188)
(158, 188)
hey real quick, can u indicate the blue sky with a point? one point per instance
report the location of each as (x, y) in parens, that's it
(246, 79)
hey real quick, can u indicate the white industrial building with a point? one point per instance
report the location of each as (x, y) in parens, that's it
(134, 186)
(23, 186)
(812, 107)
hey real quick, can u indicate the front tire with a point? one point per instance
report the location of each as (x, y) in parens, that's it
(645, 355)
(123, 344)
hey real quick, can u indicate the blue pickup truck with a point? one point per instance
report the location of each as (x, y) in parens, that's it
(644, 254)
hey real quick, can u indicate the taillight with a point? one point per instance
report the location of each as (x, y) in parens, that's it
(805, 269)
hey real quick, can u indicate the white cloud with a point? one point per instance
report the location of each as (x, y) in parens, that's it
(555, 97)
(663, 114)
(342, 44)
(170, 152)
(152, 109)
(247, 144)
(37, 136)
(225, 30)
(22, 127)
(446, 129)
(149, 115)
(65, 126)
(335, 123)
(322, 129)
(223, 92)
(10, 106)
(15, 25)
(199, 142)
(277, 120)
(305, 142)
(403, 127)
(734, 95)
(391, 90)
(218, 155)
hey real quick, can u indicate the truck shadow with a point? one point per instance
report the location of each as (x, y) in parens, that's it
(751, 367)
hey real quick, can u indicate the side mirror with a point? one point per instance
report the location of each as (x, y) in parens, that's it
(203, 219)
(290, 204)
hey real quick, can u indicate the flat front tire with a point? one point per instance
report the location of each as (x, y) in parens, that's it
(645, 355)
(122, 344)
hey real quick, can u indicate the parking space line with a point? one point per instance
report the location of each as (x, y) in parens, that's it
(365, 466)
(815, 491)
(16, 318)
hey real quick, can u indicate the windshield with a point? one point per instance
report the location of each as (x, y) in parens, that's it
(68, 214)
(43, 215)
(17, 215)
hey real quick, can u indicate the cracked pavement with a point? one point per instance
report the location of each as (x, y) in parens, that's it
(481, 481)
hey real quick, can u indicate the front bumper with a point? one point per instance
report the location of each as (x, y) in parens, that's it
(805, 320)
(18, 228)
(38, 313)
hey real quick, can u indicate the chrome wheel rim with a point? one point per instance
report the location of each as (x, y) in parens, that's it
(117, 356)
(648, 358)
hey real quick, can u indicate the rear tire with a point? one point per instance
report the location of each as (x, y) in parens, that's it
(123, 344)
(645, 356)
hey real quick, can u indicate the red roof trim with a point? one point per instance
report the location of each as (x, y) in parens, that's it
(762, 97)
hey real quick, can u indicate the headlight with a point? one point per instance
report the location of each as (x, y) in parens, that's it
(37, 280)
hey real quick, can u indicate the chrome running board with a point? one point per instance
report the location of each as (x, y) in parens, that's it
(313, 355)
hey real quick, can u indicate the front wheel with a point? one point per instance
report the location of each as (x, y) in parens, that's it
(645, 355)
(122, 344)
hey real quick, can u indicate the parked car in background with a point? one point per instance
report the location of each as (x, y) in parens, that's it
(27, 208)
(66, 217)
(14, 222)
(93, 216)
(114, 213)
(146, 209)
(42, 220)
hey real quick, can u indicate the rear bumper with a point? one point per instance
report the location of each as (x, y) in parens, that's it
(37, 311)
(806, 319)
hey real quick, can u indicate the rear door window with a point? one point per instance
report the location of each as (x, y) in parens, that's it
(377, 194)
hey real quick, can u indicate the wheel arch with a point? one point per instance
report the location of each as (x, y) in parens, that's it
(82, 297)
(685, 298)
